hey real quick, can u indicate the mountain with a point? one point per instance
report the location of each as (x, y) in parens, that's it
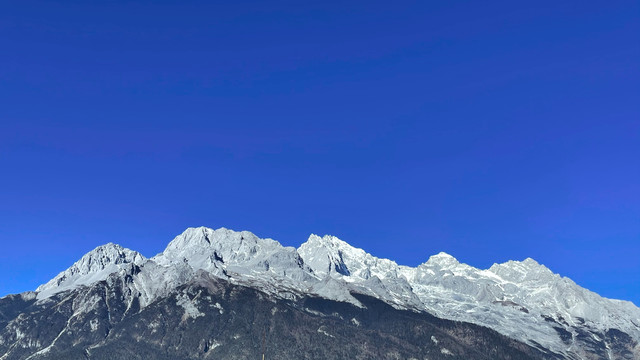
(227, 294)
(92, 267)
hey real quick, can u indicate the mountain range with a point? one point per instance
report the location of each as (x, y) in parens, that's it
(225, 294)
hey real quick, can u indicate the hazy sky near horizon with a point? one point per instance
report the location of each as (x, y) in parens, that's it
(488, 130)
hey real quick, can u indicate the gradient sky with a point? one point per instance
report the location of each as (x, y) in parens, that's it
(489, 130)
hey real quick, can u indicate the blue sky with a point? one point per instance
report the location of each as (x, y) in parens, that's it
(491, 131)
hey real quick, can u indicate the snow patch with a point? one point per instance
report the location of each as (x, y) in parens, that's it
(219, 307)
(322, 331)
(189, 306)
(94, 324)
(154, 326)
(446, 351)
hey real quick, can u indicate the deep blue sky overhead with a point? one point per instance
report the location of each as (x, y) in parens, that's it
(489, 130)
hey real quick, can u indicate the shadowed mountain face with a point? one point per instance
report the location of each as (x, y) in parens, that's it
(226, 294)
(211, 318)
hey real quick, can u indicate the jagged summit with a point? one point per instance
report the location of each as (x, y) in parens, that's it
(329, 255)
(334, 257)
(442, 259)
(328, 240)
(94, 266)
(193, 236)
(204, 237)
(200, 246)
(523, 271)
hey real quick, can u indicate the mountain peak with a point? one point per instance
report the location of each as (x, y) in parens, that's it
(327, 240)
(198, 238)
(107, 250)
(443, 255)
(94, 266)
(192, 237)
(525, 270)
(442, 259)
(104, 255)
(239, 252)
(330, 256)
(530, 262)
(326, 255)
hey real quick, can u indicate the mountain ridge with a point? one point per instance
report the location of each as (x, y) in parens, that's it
(523, 300)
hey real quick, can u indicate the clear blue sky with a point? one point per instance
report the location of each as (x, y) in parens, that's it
(489, 130)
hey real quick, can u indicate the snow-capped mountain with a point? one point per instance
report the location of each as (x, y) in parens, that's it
(94, 266)
(520, 299)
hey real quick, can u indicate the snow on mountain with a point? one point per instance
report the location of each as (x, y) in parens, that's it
(521, 299)
(329, 256)
(241, 257)
(240, 252)
(94, 266)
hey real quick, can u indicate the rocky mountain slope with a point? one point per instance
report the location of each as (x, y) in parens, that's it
(226, 294)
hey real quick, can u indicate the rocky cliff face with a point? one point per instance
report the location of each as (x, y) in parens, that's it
(226, 294)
